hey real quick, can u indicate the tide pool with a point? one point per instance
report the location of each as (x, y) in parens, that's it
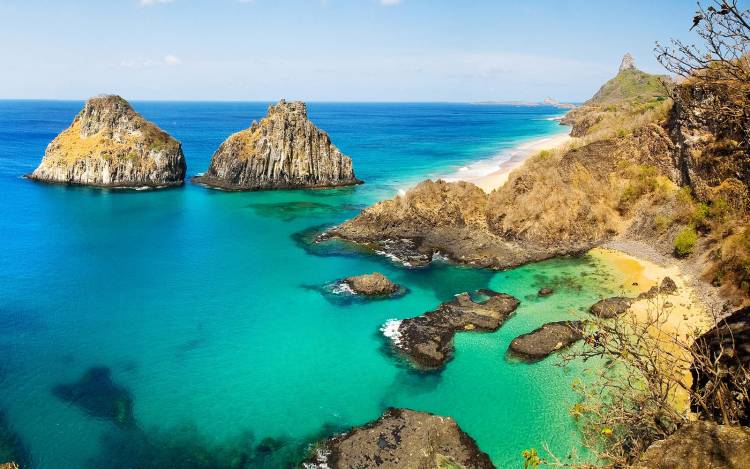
(204, 304)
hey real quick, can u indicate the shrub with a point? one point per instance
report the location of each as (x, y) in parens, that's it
(684, 243)
(662, 223)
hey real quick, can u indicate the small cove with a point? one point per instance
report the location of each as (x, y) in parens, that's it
(198, 301)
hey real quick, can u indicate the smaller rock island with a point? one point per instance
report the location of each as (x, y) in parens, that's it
(110, 145)
(282, 151)
(374, 284)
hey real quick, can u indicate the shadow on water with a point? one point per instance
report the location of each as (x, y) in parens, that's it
(97, 395)
(290, 211)
(11, 446)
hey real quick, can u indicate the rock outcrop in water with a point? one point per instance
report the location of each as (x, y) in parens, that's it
(427, 340)
(374, 284)
(549, 338)
(282, 151)
(402, 438)
(110, 145)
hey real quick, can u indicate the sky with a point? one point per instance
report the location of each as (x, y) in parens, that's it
(328, 50)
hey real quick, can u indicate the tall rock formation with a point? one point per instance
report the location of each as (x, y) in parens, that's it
(282, 151)
(110, 145)
(628, 62)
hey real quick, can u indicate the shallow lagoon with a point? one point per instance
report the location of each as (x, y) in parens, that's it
(199, 302)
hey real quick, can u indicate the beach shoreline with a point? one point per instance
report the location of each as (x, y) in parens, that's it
(500, 169)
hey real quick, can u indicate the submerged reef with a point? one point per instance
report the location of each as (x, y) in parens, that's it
(185, 447)
(96, 394)
(12, 448)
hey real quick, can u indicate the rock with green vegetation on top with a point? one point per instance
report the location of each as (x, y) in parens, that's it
(110, 145)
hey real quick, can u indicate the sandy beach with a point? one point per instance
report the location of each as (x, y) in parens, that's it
(682, 315)
(502, 169)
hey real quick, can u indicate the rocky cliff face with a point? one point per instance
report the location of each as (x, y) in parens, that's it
(700, 445)
(282, 151)
(110, 145)
(402, 438)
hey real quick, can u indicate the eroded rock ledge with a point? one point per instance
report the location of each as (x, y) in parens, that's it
(549, 338)
(282, 151)
(427, 340)
(110, 145)
(401, 438)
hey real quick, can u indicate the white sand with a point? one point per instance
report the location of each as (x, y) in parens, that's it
(498, 174)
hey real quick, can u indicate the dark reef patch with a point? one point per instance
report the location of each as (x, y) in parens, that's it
(100, 397)
(185, 447)
(446, 280)
(289, 211)
(12, 447)
(306, 240)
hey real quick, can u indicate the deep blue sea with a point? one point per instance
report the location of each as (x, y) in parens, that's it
(205, 307)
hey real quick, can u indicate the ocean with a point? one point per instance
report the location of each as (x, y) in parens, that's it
(208, 308)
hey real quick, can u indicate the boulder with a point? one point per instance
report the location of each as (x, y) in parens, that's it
(700, 445)
(282, 151)
(401, 438)
(611, 307)
(374, 284)
(110, 145)
(546, 291)
(549, 338)
(427, 340)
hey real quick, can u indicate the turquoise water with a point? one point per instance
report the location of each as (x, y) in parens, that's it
(205, 305)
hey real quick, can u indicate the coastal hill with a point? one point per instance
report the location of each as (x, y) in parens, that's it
(282, 151)
(110, 145)
(642, 170)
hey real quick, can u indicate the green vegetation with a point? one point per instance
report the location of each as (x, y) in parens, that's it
(685, 241)
(631, 86)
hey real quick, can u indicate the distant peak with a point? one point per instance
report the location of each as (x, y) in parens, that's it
(628, 62)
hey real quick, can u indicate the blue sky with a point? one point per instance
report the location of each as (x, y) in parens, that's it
(327, 50)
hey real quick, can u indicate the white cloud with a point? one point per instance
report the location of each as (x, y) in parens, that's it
(169, 60)
(172, 60)
(147, 3)
(389, 3)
